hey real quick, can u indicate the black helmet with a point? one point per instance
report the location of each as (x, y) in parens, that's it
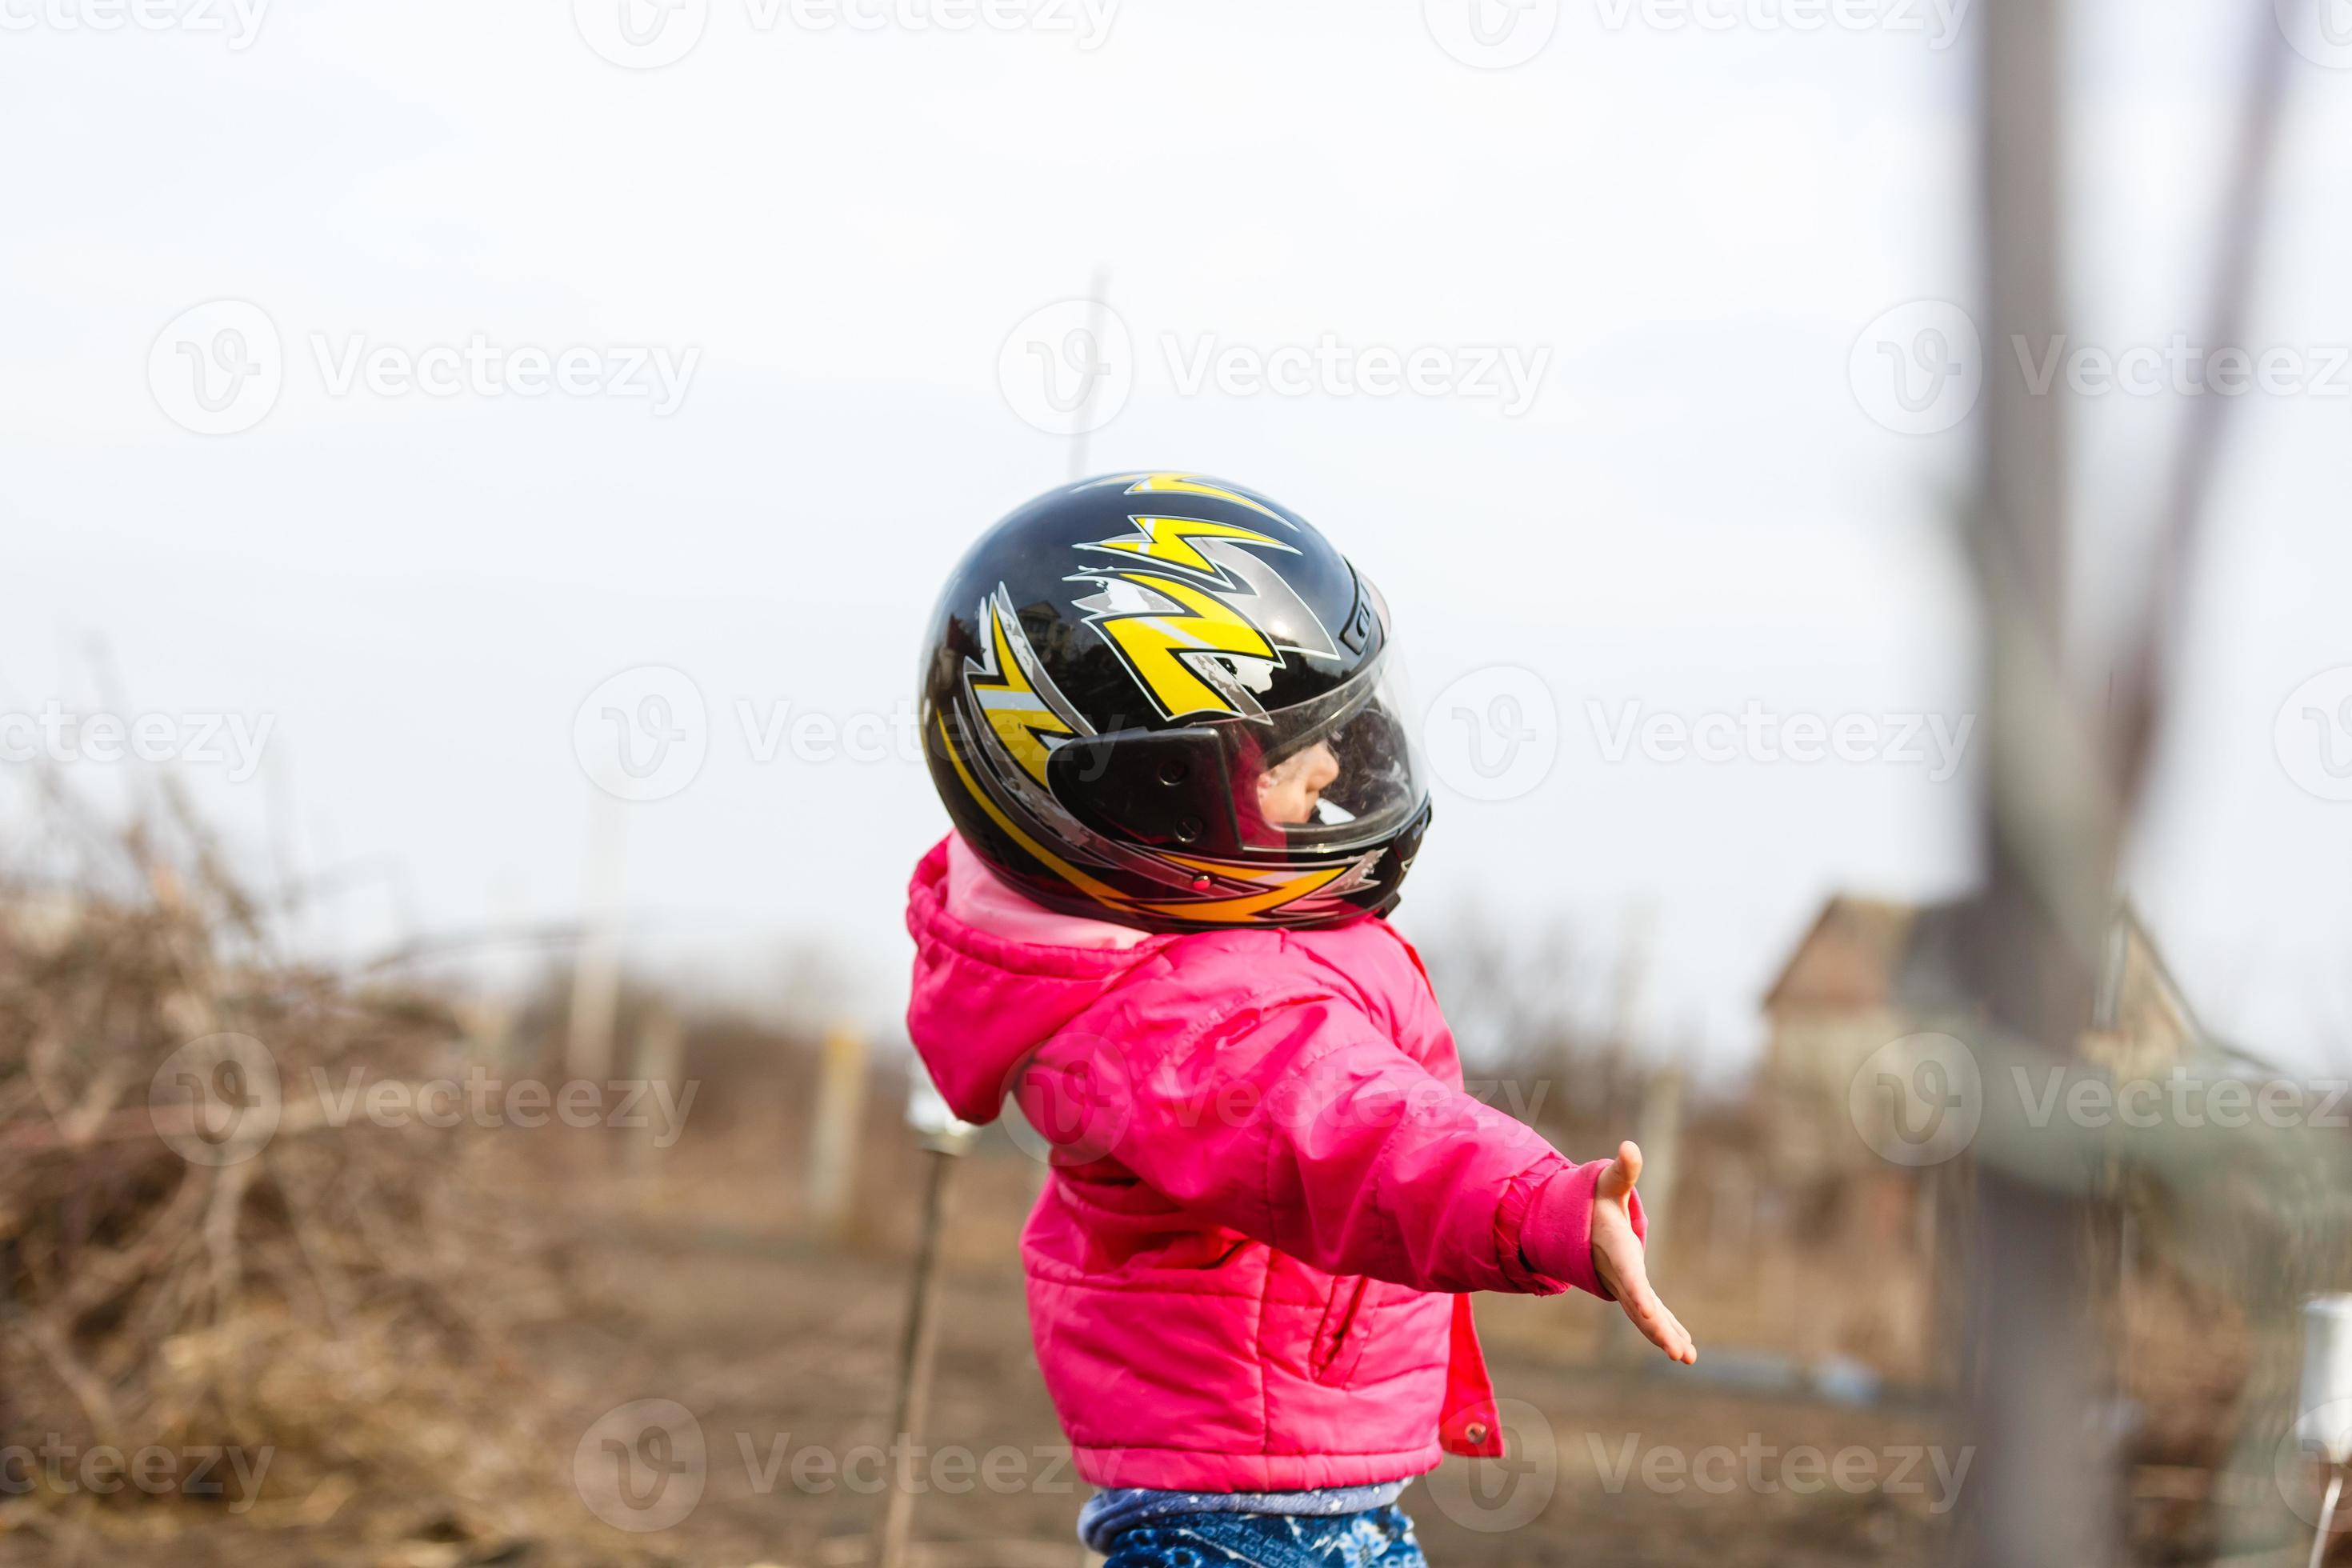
(1164, 700)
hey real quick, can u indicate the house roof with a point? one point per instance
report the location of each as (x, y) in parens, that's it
(1849, 958)
(1863, 953)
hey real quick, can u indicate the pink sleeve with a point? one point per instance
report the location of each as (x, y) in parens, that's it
(1301, 1125)
(1556, 1234)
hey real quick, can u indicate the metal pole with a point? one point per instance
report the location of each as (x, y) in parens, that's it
(2328, 1514)
(945, 1140)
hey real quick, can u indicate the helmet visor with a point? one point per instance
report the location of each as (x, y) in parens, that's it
(1331, 774)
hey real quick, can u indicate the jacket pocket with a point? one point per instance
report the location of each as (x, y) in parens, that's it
(1340, 1338)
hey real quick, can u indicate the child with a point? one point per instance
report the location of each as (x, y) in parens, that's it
(1163, 714)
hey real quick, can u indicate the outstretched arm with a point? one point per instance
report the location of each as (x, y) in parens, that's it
(1300, 1124)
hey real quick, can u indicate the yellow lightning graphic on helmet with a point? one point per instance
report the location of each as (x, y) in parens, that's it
(1192, 485)
(1158, 643)
(1169, 540)
(1012, 706)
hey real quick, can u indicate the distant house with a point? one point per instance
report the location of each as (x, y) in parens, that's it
(1858, 979)
(1870, 971)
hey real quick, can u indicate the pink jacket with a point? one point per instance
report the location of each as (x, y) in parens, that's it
(1268, 1190)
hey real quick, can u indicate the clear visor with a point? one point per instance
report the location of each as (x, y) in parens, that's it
(1331, 774)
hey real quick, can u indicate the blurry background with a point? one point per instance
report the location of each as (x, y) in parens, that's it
(1694, 445)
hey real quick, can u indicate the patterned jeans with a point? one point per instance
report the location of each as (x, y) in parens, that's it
(1381, 1538)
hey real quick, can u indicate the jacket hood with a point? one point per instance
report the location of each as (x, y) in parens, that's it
(982, 1002)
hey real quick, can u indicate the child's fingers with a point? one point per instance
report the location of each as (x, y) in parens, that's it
(1662, 1328)
(1650, 1315)
(1622, 1171)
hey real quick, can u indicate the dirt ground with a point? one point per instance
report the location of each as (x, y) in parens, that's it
(782, 1354)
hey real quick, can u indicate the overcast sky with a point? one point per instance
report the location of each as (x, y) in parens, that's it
(800, 259)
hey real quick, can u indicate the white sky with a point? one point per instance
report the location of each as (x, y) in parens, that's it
(1694, 514)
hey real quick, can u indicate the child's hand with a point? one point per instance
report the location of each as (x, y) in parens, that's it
(1617, 1258)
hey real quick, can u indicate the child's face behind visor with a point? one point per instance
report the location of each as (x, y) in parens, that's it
(1289, 792)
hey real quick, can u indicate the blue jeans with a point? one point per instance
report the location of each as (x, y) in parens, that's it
(1381, 1538)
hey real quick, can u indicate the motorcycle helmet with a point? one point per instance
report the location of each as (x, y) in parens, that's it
(1163, 699)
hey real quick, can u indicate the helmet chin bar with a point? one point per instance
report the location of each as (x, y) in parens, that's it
(1170, 789)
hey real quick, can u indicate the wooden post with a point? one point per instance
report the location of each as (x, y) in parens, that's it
(1659, 1131)
(838, 1118)
(1657, 1128)
(596, 969)
(660, 1058)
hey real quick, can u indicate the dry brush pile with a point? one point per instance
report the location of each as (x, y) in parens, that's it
(194, 1254)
